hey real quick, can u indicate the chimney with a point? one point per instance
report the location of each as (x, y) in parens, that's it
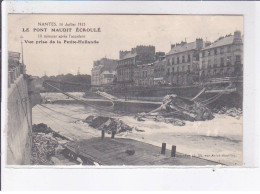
(133, 50)
(172, 46)
(237, 34)
(122, 54)
(183, 43)
(199, 43)
(237, 37)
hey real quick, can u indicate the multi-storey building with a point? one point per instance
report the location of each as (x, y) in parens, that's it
(160, 71)
(129, 60)
(103, 71)
(222, 58)
(14, 62)
(144, 75)
(107, 76)
(13, 58)
(182, 62)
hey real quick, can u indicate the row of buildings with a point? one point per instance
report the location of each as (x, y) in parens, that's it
(186, 63)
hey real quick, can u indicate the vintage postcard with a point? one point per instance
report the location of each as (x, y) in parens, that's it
(132, 90)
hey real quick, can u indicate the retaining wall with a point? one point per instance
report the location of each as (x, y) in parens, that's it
(19, 132)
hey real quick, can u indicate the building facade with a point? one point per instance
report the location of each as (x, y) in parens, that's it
(103, 72)
(107, 76)
(182, 62)
(160, 72)
(129, 60)
(13, 58)
(222, 58)
(144, 75)
(185, 64)
(15, 62)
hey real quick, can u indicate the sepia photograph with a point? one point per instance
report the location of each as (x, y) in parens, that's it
(125, 90)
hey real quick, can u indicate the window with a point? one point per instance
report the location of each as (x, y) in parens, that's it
(222, 61)
(237, 48)
(188, 67)
(229, 49)
(197, 57)
(208, 52)
(221, 71)
(203, 54)
(173, 61)
(209, 64)
(183, 59)
(178, 69)
(168, 62)
(188, 58)
(168, 71)
(215, 51)
(222, 50)
(238, 59)
(182, 68)
(203, 64)
(215, 63)
(229, 60)
(178, 60)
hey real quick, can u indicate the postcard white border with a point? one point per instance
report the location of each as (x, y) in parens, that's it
(148, 178)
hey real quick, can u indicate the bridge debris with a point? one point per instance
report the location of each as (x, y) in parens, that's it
(233, 112)
(108, 124)
(176, 110)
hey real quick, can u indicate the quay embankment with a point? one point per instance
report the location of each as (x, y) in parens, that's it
(19, 134)
(23, 95)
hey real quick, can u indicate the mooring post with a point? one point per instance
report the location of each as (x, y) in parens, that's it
(163, 148)
(113, 134)
(173, 153)
(102, 134)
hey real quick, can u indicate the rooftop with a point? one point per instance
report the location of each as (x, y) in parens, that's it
(182, 48)
(129, 55)
(222, 41)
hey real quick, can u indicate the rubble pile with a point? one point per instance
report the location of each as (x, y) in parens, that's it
(190, 110)
(233, 112)
(43, 148)
(160, 118)
(41, 128)
(45, 144)
(108, 124)
(176, 109)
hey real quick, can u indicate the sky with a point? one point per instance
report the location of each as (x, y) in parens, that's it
(118, 32)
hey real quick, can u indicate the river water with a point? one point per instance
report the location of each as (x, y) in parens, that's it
(218, 140)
